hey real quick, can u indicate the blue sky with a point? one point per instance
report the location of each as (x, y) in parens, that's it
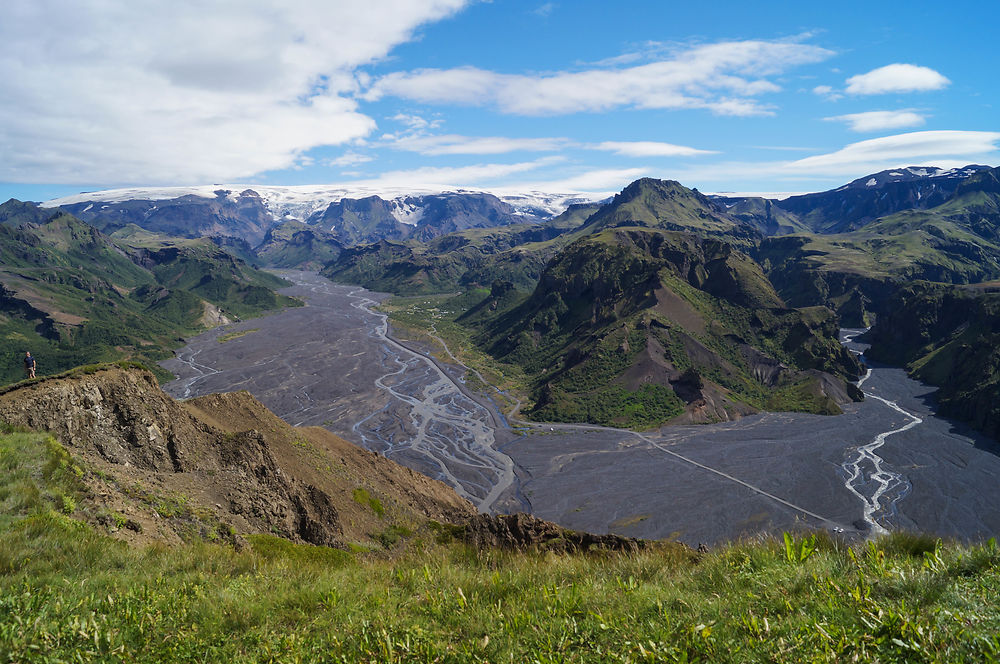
(555, 96)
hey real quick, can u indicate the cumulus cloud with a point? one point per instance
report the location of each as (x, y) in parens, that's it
(726, 78)
(880, 120)
(896, 78)
(650, 149)
(154, 92)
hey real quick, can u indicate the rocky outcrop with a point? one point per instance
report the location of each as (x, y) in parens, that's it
(522, 532)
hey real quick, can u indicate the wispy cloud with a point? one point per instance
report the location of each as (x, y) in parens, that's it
(451, 144)
(896, 78)
(545, 10)
(880, 120)
(726, 78)
(455, 176)
(590, 181)
(827, 92)
(649, 149)
(350, 159)
(900, 150)
(945, 148)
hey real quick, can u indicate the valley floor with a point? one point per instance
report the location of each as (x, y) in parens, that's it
(330, 364)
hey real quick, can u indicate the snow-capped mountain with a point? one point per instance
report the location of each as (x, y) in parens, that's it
(303, 201)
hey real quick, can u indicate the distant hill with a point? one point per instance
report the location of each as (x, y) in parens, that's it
(861, 201)
(242, 215)
(668, 205)
(855, 272)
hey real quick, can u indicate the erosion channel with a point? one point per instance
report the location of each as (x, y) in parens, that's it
(887, 463)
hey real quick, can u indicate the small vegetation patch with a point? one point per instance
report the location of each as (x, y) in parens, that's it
(362, 497)
(236, 335)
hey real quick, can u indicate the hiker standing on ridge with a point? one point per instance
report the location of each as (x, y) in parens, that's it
(29, 365)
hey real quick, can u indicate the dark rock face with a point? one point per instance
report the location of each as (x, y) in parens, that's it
(371, 219)
(522, 531)
(361, 221)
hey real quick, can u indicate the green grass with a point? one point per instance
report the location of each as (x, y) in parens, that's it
(362, 497)
(69, 593)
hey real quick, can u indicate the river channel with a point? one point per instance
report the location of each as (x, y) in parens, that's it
(888, 463)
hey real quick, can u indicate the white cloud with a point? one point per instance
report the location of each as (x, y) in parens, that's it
(896, 78)
(725, 78)
(350, 159)
(415, 122)
(596, 181)
(454, 176)
(649, 149)
(545, 10)
(452, 144)
(946, 149)
(154, 92)
(826, 91)
(900, 150)
(880, 120)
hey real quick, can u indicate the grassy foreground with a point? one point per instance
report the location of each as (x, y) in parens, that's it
(69, 593)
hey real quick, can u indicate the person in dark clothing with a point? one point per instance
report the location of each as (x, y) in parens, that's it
(29, 365)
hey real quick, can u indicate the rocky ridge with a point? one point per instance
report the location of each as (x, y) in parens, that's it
(220, 465)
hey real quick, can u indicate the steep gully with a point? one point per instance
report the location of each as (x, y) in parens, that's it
(335, 359)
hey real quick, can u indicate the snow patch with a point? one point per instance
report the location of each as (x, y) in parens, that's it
(406, 212)
(871, 183)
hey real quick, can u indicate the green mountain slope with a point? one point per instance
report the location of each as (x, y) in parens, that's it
(465, 259)
(637, 326)
(71, 295)
(668, 205)
(297, 245)
(947, 336)
(856, 272)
